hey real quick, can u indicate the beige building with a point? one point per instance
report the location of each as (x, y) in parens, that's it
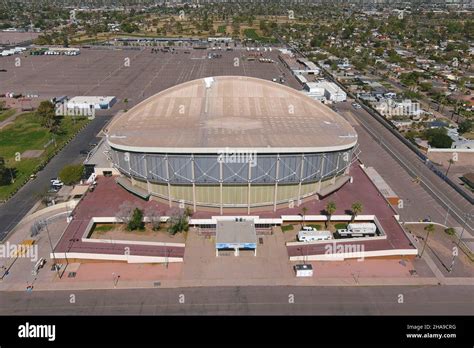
(231, 142)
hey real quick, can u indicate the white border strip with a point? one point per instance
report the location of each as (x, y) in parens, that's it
(117, 257)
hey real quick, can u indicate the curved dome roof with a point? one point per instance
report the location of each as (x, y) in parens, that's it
(207, 115)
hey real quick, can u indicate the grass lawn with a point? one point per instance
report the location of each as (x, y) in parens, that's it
(26, 133)
(4, 114)
(469, 135)
(103, 228)
(251, 34)
(341, 226)
(221, 29)
(286, 228)
(316, 227)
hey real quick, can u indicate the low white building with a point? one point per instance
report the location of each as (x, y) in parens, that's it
(91, 102)
(329, 90)
(313, 90)
(332, 92)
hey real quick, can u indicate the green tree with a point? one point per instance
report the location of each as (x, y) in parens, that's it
(136, 222)
(429, 229)
(5, 174)
(356, 209)
(451, 162)
(125, 101)
(465, 126)
(71, 174)
(178, 222)
(330, 209)
(46, 113)
(451, 231)
(441, 141)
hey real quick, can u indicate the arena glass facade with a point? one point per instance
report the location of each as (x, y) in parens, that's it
(245, 179)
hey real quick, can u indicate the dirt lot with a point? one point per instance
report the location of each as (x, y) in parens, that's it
(464, 163)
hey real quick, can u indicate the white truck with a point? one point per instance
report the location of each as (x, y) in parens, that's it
(368, 229)
(313, 235)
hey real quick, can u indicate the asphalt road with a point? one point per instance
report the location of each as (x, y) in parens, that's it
(412, 164)
(452, 201)
(16, 208)
(416, 300)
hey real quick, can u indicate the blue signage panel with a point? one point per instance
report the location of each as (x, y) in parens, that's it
(236, 245)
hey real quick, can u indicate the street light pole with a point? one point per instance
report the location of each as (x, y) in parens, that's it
(457, 250)
(52, 250)
(467, 218)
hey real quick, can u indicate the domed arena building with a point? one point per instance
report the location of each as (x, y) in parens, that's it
(232, 142)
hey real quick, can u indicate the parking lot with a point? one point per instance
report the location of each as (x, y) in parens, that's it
(129, 74)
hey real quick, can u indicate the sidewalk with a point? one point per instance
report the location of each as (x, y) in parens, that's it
(415, 281)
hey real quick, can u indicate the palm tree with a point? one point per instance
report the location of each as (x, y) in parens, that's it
(451, 161)
(304, 210)
(429, 228)
(356, 209)
(330, 209)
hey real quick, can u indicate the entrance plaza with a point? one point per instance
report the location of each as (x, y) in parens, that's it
(107, 197)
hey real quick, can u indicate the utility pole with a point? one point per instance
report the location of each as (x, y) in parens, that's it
(467, 218)
(52, 250)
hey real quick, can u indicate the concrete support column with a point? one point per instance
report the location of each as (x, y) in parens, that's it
(194, 183)
(249, 188)
(337, 167)
(277, 174)
(301, 180)
(168, 179)
(221, 188)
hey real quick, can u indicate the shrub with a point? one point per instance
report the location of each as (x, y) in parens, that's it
(178, 223)
(71, 174)
(316, 227)
(450, 231)
(136, 222)
(341, 226)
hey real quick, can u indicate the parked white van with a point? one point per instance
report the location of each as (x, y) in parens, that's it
(358, 230)
(311, 236)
